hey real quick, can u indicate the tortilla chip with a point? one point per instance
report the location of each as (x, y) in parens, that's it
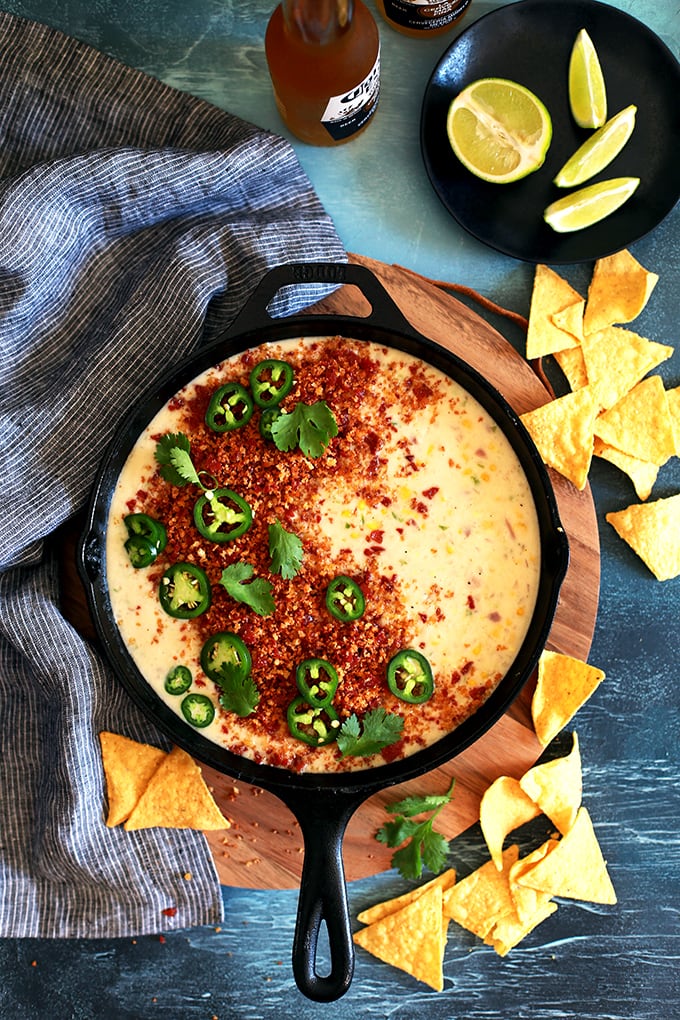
(379, 910)
(573, 365)
(564, 684)
(575, 869)
(642, 473)
(503, 808)
(550, 295)
(562, 430)
(616, 359)
(652, 530)
(640, 424)
(674, 407)
(529, 902)
(176, 797)
(556, 787)
(510, 930)
(412, 939)
(480, 899)
(619, 289)
(128, 767)
(570, 320)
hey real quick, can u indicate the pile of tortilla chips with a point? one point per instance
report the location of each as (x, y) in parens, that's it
(147, 787)
(508, 896)
(614, 409)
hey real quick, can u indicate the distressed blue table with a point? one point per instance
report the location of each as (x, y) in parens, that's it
(585, 961)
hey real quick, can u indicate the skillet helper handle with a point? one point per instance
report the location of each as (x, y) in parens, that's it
(323, 897)
(384, 311)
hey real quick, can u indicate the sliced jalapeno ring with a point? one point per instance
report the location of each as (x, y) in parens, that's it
(409, 676)
(345, 599)
(147, 538)
(178, 680)
(141, 552)
(198, 710)
(312, 725)
(184, 591)
(230, 407)
(267, 419)
(222, 515)
(224, 652)
(317, 681)
(270, 381)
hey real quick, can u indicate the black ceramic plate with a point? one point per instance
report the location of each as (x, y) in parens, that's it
(530, 42)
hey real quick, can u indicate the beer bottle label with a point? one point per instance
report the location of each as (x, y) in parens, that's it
(424, 14)
(347, 113)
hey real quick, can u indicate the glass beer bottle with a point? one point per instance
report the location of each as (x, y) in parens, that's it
(324, 62)
(421, 18)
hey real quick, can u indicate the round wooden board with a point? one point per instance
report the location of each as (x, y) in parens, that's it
(263, 848)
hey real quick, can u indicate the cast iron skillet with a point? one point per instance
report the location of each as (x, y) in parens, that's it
(322, 803)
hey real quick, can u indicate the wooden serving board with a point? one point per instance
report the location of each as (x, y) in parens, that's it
(263, 848)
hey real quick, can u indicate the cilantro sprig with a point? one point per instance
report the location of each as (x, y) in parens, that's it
(309, 426)
(423, 845)
(257, 594)
(377, 729)
(285, 549)
(238, 693)
(173, 453)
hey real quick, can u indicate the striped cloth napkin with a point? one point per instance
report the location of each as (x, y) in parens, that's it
(134, 221)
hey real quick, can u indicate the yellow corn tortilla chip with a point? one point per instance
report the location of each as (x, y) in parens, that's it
(176, 797)
(573, 365)
(619, 289)
(480, 899)
(510, 930)
(550, 294)
(575, 869)
(570, 320)
(640, 424)
(652, 530)
(412, 939)
(379, 910)
(642, 473)
(616, 359)
(556, 787)
(128, 767)
(564, 684)
(562, 430)
(529, 902)
(674, 407)
(503, 808)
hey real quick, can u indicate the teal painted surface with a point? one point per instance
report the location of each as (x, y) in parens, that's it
(585, 961)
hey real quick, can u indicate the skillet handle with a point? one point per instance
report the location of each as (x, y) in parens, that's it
(255, 315)
(323, 818)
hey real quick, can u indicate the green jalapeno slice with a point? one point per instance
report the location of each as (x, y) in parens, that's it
(147, 538)
(409, 676)
(312, 725)
(345, 599)
(317, 681)
(270, 381)
(198, 710)
(178, 680)
(267, 419)
(230, 407)
(184, 591)
(223, 653)
(222, 515)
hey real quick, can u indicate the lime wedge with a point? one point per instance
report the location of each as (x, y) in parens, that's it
(599, 150)
(589, 205)
(587, 93)
(499, 130)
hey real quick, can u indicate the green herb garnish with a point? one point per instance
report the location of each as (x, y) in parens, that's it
(285, 549)
(376, 730)
(173, 453)
(257, 594)
(309, 426)
(239, 693)
(424, 846)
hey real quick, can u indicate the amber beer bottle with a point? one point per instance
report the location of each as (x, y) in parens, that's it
(324, 62)
(421, 18)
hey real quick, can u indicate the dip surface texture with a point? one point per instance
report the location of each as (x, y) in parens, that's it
(419, 499)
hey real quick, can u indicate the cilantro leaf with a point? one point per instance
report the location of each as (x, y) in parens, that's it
(239, 694)
(256, 594)
(380, 729)
(285, 549)
(309, 426)
(420, 844)
(173, 453)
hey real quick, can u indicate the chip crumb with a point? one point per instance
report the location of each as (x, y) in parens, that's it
(187, 876)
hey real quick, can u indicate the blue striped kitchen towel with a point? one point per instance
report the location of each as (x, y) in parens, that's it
(134, 221)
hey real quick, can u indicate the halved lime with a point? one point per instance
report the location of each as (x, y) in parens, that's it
(499, 130)
(589, 205)
(598, 150)
(587, 92)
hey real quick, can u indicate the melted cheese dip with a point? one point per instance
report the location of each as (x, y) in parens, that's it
(420, 498)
